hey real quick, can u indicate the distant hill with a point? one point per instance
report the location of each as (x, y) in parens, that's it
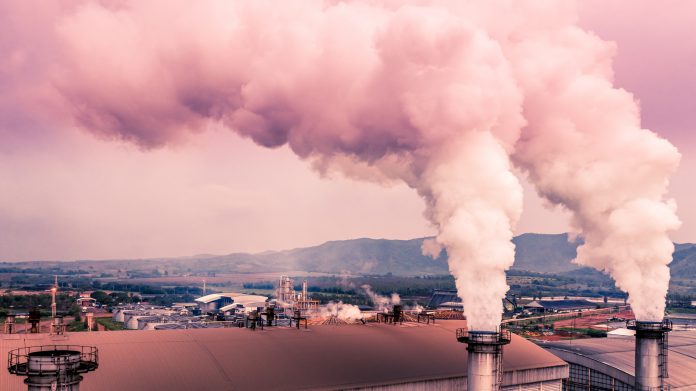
(542, 253)
(539, 253)
(357, 256)
(684, 261)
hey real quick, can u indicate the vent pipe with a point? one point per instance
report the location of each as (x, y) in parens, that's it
(651, 354)
(485, 362)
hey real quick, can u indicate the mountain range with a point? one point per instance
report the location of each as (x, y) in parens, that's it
(538, 253)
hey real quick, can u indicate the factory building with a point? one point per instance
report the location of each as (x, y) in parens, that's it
(541, 306)
(244, 303)
(443, 297)
(215, 302)
(609, 363)
(357, 357)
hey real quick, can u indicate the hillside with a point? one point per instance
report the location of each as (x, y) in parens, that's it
(539, 253)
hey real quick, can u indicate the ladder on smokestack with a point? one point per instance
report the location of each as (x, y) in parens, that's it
(664, 345)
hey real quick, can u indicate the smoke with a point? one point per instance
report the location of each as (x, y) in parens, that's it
(443, 95)
(584, 149)
(382, 303)
(340, 310)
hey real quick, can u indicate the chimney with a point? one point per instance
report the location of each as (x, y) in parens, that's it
(52, 367)
(651, 354)
(485, 363)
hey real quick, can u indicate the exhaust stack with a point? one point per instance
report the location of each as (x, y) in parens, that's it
(485, 365)
(651, 354)
(53, 367)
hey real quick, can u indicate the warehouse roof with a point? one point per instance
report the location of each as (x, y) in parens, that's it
(323, 357)
(443, 296)
(561, 305)
(619, 352)
(216, 296)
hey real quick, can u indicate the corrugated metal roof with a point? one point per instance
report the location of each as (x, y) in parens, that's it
(619, 352)
(215, 296)
(323, 357)
(561, 304)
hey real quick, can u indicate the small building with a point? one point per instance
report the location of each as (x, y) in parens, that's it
(86, 301)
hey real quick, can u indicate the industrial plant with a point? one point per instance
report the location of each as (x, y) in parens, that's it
(233, 335)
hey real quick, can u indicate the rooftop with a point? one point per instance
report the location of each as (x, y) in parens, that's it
(619, 353)
(323, 357)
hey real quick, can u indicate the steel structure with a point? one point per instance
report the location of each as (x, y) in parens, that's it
(53, 367)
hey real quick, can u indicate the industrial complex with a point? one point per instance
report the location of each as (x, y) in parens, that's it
(238, 341)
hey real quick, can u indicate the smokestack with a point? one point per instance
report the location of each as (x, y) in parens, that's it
(53, 367)
(651, 354)
(485, 363)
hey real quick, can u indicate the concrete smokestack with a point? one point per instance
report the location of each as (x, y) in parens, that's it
(651, 354)
(485, 363)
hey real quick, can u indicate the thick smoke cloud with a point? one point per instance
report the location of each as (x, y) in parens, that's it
(443, 95)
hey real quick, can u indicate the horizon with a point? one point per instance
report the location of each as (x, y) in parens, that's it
(280, 250)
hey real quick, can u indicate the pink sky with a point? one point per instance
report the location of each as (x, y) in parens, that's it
(67, 194)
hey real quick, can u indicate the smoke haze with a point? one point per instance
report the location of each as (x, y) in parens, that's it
(445, 96)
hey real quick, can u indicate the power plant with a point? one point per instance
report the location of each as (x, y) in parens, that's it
(388, 346)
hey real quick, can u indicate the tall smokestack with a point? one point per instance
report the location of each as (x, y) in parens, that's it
(485, 363)
(651, 354)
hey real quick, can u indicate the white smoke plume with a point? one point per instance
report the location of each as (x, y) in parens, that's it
(381, 303)
(341, 310)
(442, 95)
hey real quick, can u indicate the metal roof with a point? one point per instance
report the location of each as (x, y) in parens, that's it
(443, 296)
(323, 357)
(619, 352)
(216, 296)
(560, 305)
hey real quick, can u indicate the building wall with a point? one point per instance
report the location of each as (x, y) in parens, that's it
(459, 383)
(583, 378)
(589, 374)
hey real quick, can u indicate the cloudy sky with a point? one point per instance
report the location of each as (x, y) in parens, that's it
(67, 193)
